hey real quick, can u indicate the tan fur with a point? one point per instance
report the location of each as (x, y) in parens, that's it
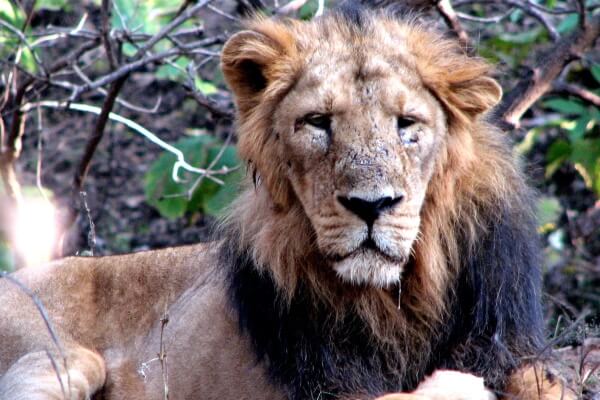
(108, 310)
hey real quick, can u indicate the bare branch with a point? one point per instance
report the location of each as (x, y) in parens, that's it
(539, 80)
(223, 13)
(527, 8)
(184, 16)
(119, 100)
(576, 90)
(105, 32)
(485, 20)
(181, 163)
(451, 18)
(94, 140)
(126, 69)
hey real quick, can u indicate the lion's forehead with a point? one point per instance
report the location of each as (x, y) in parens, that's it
(337, 86)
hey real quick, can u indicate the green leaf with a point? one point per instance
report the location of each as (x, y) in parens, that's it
(206, 88)
(11, 14)
(566, 106)
(585, 155)
(162, 192)
(595, 70)
(596, 184)
(568, 24)
(173, 72)
(558, 153)
(516, 16)
(521, 37)
(170, 197)
(55, 5)
(580, 128)
(548, 210)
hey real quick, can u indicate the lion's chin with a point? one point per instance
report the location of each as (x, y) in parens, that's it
(369, 267)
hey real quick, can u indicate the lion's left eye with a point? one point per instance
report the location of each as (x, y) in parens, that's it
(408, 136)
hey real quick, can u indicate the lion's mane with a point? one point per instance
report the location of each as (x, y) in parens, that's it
(470, 293)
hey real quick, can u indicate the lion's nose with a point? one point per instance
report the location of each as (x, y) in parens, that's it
(369, 210)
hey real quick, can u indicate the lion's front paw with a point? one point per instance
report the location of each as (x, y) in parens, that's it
(447, 385)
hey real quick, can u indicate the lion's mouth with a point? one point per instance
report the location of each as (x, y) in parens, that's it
(368, 246)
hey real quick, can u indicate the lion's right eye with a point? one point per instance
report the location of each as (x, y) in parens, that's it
(320, 121)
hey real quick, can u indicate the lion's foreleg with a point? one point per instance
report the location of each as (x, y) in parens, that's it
(44, 376)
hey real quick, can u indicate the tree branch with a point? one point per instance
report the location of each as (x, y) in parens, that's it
(576, 90)
(447, 12)
(539, 80)
(94, 140)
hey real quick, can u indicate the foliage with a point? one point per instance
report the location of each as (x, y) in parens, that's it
(171, 199)
(149, 17)
(581, 142)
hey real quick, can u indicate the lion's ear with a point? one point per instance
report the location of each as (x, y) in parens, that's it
(253, 59)
(461, 83)
(475, 96)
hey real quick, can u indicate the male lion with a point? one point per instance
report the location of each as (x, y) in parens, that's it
(387, 235)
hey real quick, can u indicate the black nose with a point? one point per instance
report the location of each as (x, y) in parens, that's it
(367, 210)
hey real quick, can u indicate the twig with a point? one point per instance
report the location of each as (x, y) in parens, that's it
(451, 18)
(162, 355)
(105, 32)
(91, 237)
(179, 164)
(214, 162)
(320, 8)
(140, 63)
(485, 20)
(205, 101)
(539, 80)
(94, 140)
(526, 7)
(184, 16)
(576, 90)
(119, 100)
(11, 148)
(223, 13)
(292, 6)
(24, 40)
(38, 166)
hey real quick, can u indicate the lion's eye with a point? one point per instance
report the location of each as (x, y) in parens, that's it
(320, 121)
(404, 122)
(408, 136)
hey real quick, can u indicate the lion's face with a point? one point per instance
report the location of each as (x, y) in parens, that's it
(361, 140)
(352, 121)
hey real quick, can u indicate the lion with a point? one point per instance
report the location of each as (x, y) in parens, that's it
(385, 235)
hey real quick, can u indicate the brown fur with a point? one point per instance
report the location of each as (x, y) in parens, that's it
(107, 311)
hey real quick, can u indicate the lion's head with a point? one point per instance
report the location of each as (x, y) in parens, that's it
(352, 120)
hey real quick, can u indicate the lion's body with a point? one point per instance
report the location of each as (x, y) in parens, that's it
(387, 233)
(114, 306)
